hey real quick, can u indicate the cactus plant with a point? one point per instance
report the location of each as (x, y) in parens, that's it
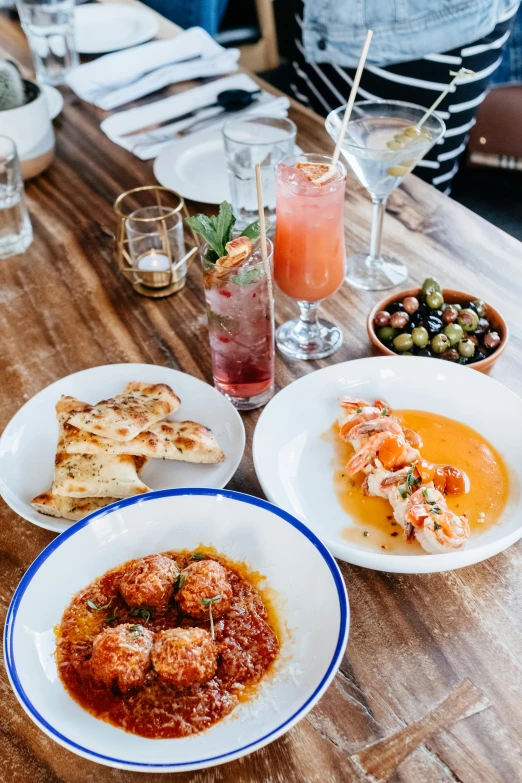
(12, 93)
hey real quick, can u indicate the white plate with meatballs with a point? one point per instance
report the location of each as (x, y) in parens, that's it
(172, 616)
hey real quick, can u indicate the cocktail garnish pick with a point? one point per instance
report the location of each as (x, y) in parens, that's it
(464, 73)
(351, 97)
(261, 211)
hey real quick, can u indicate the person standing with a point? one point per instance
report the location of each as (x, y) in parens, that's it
(415, 45)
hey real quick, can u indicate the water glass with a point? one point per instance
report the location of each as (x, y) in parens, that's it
(16, 233)
(263, 140)
(240, 311)
(49, 27)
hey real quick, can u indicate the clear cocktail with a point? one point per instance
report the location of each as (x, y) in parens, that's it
(309, 262)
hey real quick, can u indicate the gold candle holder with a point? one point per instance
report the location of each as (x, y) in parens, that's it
(150, 245)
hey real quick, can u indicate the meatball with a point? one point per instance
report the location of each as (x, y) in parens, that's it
(184, 656)
(149, 581)
(204, 579)
(122, 654)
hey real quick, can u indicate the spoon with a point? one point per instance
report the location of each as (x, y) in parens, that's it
(227, 100)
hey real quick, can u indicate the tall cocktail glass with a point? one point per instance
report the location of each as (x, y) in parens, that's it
(240, 310)
(309, 263)
(382, 144)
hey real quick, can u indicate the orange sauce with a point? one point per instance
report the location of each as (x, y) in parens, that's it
(446, 441)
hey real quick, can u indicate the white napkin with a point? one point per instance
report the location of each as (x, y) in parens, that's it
(99, 81)
(143, 116)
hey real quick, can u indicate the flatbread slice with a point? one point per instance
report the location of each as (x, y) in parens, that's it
(134, 410)
(91, 475)
(68, 508)
(187, 441)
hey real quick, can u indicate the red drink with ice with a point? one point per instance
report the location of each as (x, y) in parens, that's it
(241, 328)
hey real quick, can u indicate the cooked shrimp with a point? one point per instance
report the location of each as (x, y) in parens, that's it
(392, 451)
(352, 403)
(380, 424)
(347, 422)
(413, 438)
(444, 532)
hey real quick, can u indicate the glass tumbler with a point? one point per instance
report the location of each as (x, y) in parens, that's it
(156, 245)
(240, 310)
(263, 140)
(16, 233)
(49, 27)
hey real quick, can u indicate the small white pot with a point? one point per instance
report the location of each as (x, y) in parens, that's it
(31, 130)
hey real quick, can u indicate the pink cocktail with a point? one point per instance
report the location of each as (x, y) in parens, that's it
(241, 329)
(309, 263)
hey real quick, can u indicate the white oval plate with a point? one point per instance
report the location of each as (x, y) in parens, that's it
(28, 443)
(294, 462)
(110, 27)
(196, 167)
(313, 610)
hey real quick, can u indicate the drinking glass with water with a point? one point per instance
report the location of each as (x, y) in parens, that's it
(49, 27)
(263, 140)
(16, 233)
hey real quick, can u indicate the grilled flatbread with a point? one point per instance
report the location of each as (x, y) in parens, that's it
(93, 475)
(134, 410)
(68, 508)
(178, 440)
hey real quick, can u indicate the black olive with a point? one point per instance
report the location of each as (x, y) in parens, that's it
(436, 313)
(482, 326)
(415, 318)
(408, 328)
(423, 310)
(395, 307)
(423, 352)
(463, 360)
(432, 324)
(479, 356)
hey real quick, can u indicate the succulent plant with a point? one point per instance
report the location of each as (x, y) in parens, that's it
(12, 93)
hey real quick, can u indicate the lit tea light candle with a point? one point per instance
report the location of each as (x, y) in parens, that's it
(154, 262)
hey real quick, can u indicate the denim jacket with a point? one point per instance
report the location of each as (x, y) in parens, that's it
(334, 30)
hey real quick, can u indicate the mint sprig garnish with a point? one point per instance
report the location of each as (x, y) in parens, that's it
(217, 230)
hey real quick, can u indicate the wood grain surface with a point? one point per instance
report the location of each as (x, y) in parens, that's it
(414, 639)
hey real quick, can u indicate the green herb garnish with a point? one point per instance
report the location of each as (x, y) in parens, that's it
(112, 617)
(411, 481)
(425, 493)
(247, 276)
(402, 492)
(141, 612)
(358, 410)
(436, 510)
(197, 556)
(208, 602)
(436, 526)
(384, 412)
(97, 608)
(366, 533)
(136, 630)
(217, 230)
(180, 581)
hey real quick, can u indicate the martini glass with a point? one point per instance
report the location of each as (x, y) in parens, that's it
(383, 142)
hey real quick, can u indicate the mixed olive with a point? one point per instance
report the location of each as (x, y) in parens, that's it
(427, 326)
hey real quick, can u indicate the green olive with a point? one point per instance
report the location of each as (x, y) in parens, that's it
(430, 285)
(403, 342)
(468, 319)
(397, 171)
(457, 307)
(439, 343)
(395, 145)
(407, 353)
(420, 336)
(434, 300)
(454, 333)
(466, 348)
(412, 130)
(480, 306)
(386, 333)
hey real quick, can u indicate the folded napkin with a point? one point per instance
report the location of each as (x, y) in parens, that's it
(145, 147)
(122, 77)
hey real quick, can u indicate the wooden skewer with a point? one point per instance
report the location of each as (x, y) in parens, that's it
(261, 210)
(351, 97)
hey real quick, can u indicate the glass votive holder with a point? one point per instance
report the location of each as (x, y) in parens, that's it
(150, 242)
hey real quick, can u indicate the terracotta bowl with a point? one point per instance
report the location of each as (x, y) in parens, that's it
(497, 322)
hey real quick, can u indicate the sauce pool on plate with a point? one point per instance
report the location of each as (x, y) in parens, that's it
(446, 441)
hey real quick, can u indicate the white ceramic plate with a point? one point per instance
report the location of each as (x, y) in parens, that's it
(294, 462)
(313, 610)
(196, 167)
(28, 443)
(54, 100)
(109, 27)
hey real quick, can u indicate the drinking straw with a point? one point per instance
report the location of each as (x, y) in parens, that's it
(351, 97)
(262, 232)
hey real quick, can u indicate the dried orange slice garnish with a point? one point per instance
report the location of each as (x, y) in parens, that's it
(238, 250)
(318, 173)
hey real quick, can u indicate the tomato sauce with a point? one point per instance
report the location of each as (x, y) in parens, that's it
(246, 637)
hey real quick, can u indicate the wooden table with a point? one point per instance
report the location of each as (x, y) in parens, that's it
(414, 639)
